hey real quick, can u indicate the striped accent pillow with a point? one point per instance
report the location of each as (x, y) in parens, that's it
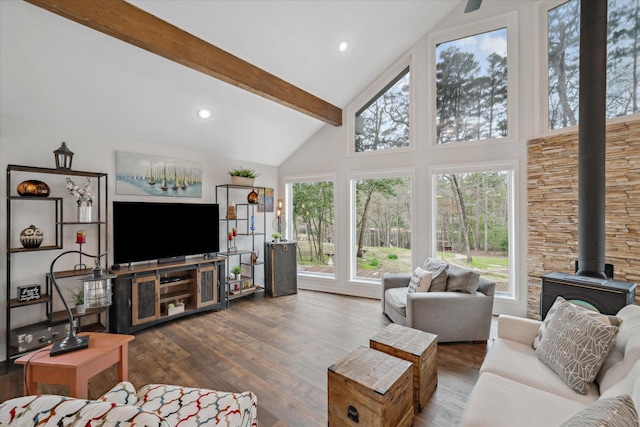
(420, 281)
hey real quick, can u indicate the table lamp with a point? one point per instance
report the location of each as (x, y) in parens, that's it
(97, 293)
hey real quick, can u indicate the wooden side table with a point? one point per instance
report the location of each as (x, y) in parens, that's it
(370, 388)
(76, 368)
(415, 346)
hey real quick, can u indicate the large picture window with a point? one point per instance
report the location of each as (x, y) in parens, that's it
(623, 55)
(383, 122)
(473, 219)
(312, 225)
(381, 225)
(471, 88)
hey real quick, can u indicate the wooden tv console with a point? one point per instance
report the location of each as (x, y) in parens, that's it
(148, 294)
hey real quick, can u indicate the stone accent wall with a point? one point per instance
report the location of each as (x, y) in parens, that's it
(552, 174)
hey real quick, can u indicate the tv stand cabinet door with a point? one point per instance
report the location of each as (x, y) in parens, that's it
(145, 299)
(208, 286)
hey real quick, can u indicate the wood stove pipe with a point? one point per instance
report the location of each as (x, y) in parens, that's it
(591, 138)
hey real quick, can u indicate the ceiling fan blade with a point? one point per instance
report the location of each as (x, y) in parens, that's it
(472, 5)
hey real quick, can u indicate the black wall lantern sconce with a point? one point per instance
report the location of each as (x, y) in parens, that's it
(63, 156)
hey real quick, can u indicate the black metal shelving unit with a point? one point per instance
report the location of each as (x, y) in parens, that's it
(58, 222)
(226, 193)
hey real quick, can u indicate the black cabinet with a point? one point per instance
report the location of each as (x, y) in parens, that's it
(281, 271)
(150, 294)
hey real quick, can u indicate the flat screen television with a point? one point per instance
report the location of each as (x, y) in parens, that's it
(147, 231)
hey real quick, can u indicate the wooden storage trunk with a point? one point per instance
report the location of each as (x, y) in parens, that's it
(370, 388)
(415, 346)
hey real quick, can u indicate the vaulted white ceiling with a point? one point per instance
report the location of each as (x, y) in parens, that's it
(59, 73)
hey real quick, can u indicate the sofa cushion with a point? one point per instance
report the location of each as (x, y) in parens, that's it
(626, 350)
(604, 318)
(420, 281)
(630, 385)
(462, 280)
(616, 411)
(439, 274)
(519, 362)
(123, 393)
(500, 402)
(575, 345)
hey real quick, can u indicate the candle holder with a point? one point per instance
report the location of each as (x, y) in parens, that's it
(232, 240)
(81, 238)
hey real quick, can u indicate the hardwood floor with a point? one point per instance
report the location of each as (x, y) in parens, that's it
(279, 348)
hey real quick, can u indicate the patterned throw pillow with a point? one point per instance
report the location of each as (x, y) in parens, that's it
(575, 345)
(439, 277)
(420, 281)
(617, 411)
(604, 318)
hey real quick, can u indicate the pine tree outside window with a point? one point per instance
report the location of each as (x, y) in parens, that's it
(472, 88)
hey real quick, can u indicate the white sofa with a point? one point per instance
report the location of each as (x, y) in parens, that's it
(154, 405)
(516, 388)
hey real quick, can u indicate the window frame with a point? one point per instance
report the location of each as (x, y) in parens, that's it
(511, 167)
(376, 90)
(508, 21)
(353, 220)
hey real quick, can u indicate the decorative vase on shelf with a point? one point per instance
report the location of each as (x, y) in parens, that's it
(33, 188)
(84, 210)
(253, 197)
(31, 237)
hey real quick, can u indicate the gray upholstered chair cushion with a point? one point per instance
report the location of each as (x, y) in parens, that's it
(439, 274)
(462, 280)
(397, 298)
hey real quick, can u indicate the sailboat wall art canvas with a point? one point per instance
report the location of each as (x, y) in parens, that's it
(145, 175)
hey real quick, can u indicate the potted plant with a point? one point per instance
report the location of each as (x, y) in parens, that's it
(175, 308)
(276, 237)
(243, 176)
(237, 270)
(77, 299)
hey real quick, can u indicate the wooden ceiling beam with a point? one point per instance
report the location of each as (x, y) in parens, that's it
(128, 23)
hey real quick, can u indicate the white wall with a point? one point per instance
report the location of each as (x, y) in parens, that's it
(326, 152)
(31, 144)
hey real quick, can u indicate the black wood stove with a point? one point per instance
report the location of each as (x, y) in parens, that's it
(590, 285)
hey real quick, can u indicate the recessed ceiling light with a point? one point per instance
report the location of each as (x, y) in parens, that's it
(204, 113)
(343, 46)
